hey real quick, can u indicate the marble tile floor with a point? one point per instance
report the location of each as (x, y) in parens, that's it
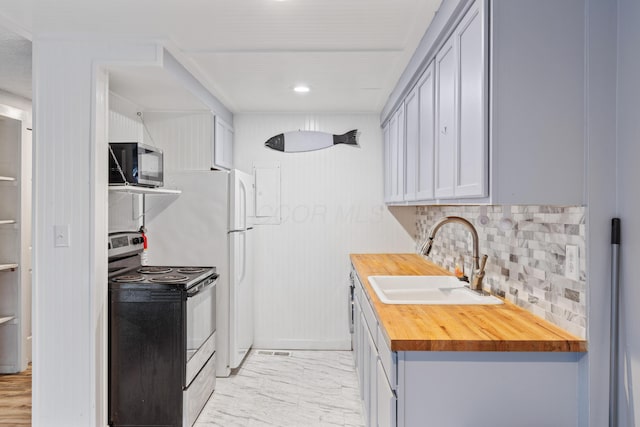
(304, 388)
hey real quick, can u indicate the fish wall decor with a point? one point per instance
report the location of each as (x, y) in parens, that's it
(302, 140)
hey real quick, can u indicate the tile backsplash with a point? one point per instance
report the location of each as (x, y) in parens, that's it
(526, 246)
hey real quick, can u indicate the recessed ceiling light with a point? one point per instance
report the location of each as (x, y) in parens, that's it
(301, 89)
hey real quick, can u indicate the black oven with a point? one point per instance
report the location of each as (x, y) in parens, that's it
(162, 338)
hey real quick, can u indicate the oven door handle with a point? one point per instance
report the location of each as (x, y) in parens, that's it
(201, 287)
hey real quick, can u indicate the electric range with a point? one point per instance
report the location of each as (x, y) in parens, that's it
(161, 338)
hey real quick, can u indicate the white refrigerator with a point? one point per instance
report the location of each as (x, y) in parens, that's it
(211, 224)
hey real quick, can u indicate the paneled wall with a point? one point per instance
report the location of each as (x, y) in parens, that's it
(331, 205)
(124, 126)
(70, 190)
(186, 138)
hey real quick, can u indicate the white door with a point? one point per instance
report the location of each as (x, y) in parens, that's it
(240, 296)
(241, 201)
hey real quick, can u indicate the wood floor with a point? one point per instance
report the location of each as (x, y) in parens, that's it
(15, 399)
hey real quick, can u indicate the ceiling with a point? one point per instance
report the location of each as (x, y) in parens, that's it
(248, 53)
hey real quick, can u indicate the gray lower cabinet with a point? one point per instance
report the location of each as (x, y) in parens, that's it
(372, 356)
(461, 388)
(387, 401)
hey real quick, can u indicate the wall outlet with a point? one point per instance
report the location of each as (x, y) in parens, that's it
(571, 263)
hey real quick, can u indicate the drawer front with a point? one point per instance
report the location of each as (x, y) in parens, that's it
(365, 306)
(372, 323)
(389, 360)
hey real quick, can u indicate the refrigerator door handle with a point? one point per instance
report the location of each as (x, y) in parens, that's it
(243, 252)
(242, 220)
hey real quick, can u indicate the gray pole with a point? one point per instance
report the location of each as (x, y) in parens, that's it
(613, 357)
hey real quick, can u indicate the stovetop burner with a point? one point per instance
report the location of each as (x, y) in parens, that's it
(154, 270)
(129, 278)
(169, 278)
(190, 270)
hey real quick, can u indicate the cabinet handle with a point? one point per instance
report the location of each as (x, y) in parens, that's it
(444, 130)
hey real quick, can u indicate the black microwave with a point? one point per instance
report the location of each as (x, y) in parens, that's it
(136, 164)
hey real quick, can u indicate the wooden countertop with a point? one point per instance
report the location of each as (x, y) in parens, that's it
(504, 327)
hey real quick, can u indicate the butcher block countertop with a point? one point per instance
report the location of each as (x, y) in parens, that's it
(504, 327)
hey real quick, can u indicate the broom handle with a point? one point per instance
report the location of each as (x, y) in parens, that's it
(613, 362)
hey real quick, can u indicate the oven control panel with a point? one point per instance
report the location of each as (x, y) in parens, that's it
(125, 243)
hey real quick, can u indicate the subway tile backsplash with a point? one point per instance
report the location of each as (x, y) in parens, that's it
(526, 247)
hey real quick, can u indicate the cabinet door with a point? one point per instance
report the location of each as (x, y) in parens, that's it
(399, 192)
(471, 159)
(393, 158)
(372, 373)
(396, 155)
(386, 134)
(445, 149)
(222, 145)
(365, 378)
(387, 401)
(357, 344)
(426, 139)
(412, 136)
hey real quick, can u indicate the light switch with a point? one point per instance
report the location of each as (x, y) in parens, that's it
(61, 236)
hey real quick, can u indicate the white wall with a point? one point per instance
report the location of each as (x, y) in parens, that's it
(70, 189)
(600, 196)
(629, 206)
(124, 126)
(331, 206)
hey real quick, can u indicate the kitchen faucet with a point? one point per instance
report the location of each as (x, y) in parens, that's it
(477, 273)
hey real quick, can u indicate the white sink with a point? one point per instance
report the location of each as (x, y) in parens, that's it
(438, 290)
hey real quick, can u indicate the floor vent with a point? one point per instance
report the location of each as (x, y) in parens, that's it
(274, 353)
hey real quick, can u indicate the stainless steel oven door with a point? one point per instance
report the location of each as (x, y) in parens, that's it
(201, 325)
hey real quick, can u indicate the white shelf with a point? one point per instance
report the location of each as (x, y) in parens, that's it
(7, 178)
(7, 221)
(133, 189)
(8, 266)
(6, 319)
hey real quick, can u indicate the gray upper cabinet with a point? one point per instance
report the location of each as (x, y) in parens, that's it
(501, 128)
(412, 141)
(394, 140)
(471, 126)
(419, 111)
(426, 132)
(538, 102)
(446, 134)
(386, 166)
